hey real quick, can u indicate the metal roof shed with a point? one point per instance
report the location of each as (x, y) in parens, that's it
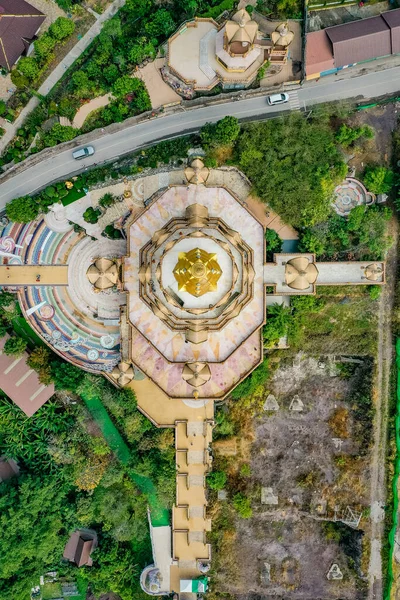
(359, 40)
(392, 18)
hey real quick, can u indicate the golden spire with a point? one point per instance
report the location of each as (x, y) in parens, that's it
(197, 272)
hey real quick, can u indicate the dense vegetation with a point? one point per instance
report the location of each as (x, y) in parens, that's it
(294, 165)
(71, 478)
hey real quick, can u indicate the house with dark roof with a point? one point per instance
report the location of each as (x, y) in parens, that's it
(80, 546)
(8, 469)
(334, 48)
(19, 25)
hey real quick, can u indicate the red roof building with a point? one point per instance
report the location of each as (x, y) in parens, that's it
(21, 383)
(319, 55)
(19, 24)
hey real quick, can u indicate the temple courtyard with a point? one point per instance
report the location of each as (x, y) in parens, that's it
(174, 309)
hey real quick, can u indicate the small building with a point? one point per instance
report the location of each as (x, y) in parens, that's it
(19, 25)
(334, 48)
(8, 469)
(21, 383)
(80, 546)
(359, 41)
(392, 18)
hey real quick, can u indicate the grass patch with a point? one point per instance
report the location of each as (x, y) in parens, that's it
(51, 590)
(72, 196)
(26, 332)
(345, 323)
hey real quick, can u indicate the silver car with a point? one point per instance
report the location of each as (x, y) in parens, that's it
(83, 152)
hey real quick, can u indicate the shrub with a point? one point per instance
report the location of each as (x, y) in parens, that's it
(242, 505)
(15, 346)
(378, 180)
(28, 67)
(22, 210)
(346, 136)
(107, 200)
(216, 480)
(91, 215)
(61, 28)
(374, 291)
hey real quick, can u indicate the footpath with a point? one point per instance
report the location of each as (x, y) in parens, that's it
(59, 71)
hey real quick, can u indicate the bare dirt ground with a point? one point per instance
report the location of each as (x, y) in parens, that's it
(314, 476)
(378, 150)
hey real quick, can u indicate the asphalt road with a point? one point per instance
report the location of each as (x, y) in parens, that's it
(111, 146)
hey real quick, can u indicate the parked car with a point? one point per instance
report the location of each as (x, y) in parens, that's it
(277, 99)
(83, 152)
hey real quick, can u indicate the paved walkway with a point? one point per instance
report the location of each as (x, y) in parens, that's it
(59, 71)
(88, 108)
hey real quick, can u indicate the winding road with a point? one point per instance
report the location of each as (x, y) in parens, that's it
(109, 146)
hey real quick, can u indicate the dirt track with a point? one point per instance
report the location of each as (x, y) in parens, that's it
(383, 368)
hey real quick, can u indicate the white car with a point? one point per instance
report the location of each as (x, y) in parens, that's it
(277, 99)
(83, 152)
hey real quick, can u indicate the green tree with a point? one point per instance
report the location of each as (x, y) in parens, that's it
(124, 86)
(111, 73)
(81, 81)
(35, 515)
(28, 67)
(346, 136)
(15, 346)
(273, 242)
(91, 215)
(65, 375)
(216, 480)
(250, 385)
(278, 321)
(222, 133)
(62, 28)
(6, 298)
(294, 165)
(39, 359)
(242, 505)
(22, 210)
(44, 46)
(161, 25)
(59, 134)
(378, 180)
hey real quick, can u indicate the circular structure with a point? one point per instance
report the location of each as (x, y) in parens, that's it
(196, 374)
(93, 354)
(46, 312)
(56, 334)
(374, 272)
(300, 273)
(103, 274)
(349, 194)
(107, 341)
(7, 244)
(123, 373)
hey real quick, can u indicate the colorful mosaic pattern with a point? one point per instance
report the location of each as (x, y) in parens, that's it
(349, 194)
(74, 334)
